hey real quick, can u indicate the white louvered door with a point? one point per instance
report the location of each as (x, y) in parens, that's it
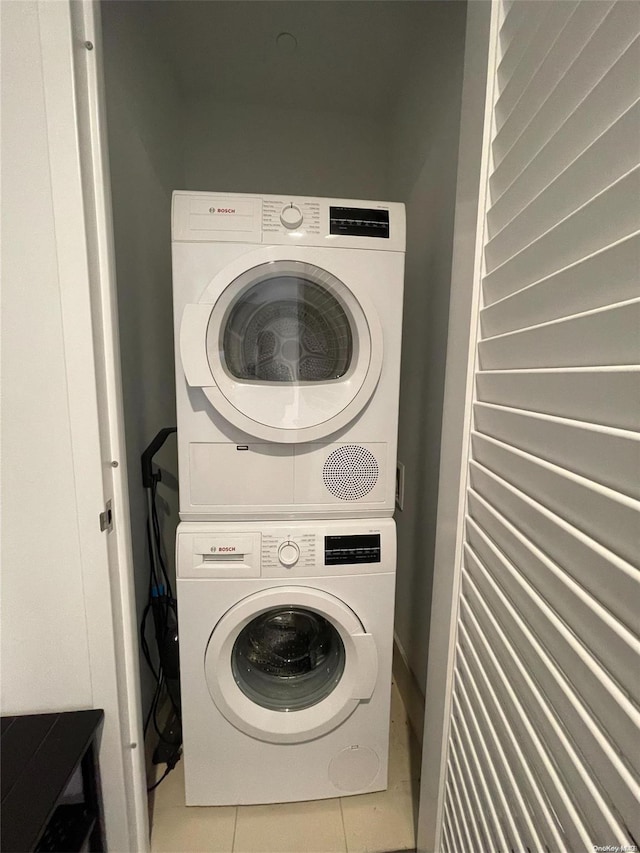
(543, 748)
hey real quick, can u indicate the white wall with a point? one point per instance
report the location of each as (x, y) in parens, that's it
(145, 133)
(58, 601)
(423, 175)
(45, 654)
(257, 149)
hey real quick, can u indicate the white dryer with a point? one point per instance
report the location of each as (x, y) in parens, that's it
(288, 318)
(285, 658)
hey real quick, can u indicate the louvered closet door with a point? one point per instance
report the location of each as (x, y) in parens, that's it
(544, 741)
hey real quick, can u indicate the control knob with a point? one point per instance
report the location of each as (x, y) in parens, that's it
(291, 216)
(288, 554)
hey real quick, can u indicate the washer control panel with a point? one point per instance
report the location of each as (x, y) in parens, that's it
(285, 549)
(288, 215)
(296, 552)
(289, 553)
(281, 220)
(291, 216)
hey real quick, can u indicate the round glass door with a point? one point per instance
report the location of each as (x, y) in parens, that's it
(288, 659)
(288, 663)
(286, 323)
(287, 328)
(291, 352)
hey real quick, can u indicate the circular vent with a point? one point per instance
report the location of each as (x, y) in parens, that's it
(350, 472)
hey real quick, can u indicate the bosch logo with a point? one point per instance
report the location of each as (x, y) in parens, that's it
(222, 210)
(227, 548)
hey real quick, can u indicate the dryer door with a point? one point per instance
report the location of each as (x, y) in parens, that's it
(289, 353)
(289, 664)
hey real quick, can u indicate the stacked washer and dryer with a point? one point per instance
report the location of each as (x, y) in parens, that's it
(288, 315)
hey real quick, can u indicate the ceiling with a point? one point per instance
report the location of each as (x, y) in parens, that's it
(345, 55)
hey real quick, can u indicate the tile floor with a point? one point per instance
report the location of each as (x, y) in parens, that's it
(369, 823)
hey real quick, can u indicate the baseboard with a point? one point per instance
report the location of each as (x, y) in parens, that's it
(409, 689)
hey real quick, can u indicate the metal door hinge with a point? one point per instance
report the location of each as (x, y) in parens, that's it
(106, 518)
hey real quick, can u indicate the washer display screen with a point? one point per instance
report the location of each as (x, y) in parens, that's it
(348, 550)
(359, 222)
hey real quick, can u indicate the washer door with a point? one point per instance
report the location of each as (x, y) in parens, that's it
(289, 664)
(289, 353)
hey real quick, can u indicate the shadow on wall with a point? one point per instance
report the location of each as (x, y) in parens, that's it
(143, 107)
(424, 174)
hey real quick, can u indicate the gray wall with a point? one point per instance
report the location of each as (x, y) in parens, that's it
(258, 149)
(423, 175)
(161, 140)
(145, 152)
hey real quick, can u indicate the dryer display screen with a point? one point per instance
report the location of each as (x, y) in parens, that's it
(359, 222)
(347, 550)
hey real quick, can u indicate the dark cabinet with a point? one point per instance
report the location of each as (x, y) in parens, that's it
(50, 784)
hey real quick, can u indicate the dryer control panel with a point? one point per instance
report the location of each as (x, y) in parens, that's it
(280, 215)
(338, 223)
(288, 221)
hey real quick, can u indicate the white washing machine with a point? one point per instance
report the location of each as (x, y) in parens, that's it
(288, 319)
(285, 648)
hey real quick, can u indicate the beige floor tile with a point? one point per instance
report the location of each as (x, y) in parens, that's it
(399, 766)
(193, 830)
(373, 822)
(404, 763)
(398, 712)
(399, 737)
(170, 792)
(404, 750)
(399, 728)
(377, 823)
(310, 827)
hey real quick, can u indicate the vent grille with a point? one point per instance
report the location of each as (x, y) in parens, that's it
(350, 472)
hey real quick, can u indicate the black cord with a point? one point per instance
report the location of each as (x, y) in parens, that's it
(169, 600)
(153, 574)
(161, 779)
(152, 715)
(156, 725)
(171, 763)
(156, 530)
(154, 702)
(162, 606)
(145, 646)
